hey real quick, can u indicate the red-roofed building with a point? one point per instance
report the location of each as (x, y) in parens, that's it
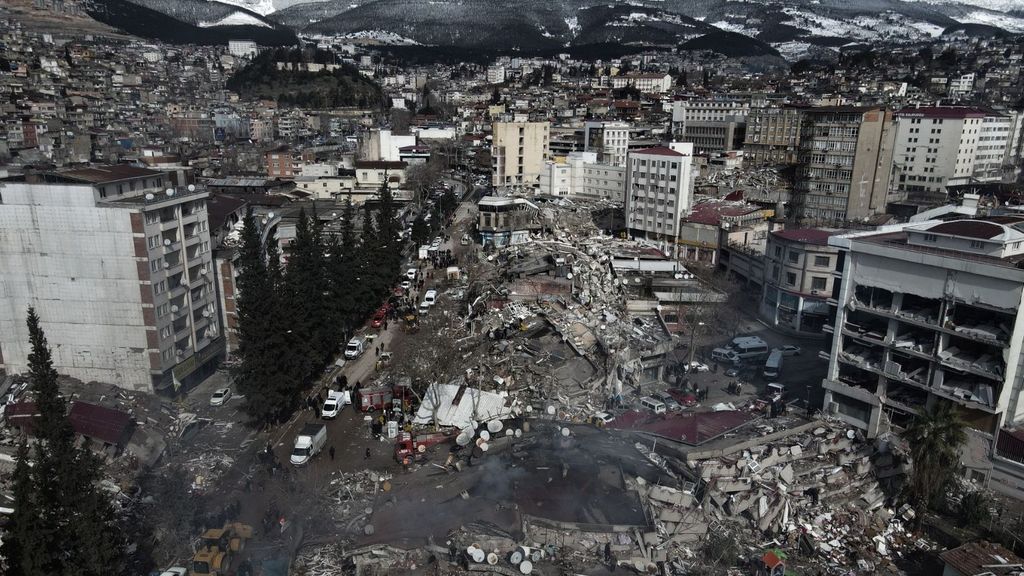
(659, 190)
(714, 223)
(798, 270)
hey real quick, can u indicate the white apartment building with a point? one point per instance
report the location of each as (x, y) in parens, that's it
(519, 151)
(961, 86)
(994, 143)
(581, 175)
(242, 48)
(935, 148)
(117, 263)
(659, 190)
(646, 83)
(382, 146)
(610, 140)
(495, 74)
(931, 312)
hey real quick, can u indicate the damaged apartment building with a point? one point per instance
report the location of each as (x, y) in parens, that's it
(930, 312)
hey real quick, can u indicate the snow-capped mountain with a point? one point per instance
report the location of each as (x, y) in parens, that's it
(792, 27)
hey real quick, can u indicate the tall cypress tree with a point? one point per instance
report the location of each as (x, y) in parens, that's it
(64, 524)
(291, 363)
(306, 286)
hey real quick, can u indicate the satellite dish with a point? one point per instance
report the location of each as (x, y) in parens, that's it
(566, 432)
(167, 241)
(519, 433)
(202, 271)
(206, 313)
(484, 447)
(569, 275)
(170, 192)
(463, 439)
(494, 426)
(174, 308)
(270, 214)
(485, 435)
(150, 197)
(191, 187)
(167, 264)
(551, 410)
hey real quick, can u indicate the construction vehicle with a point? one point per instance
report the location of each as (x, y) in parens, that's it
(217, 547)
(409, 445)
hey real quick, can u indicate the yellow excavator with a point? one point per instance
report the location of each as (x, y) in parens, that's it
(213, 558)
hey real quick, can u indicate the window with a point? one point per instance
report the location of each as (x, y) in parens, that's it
(931, 238)
(794, 257)
(791, 278)
(152, 217)
(162, 310)
(153, 241)
(165, 332)
(821, 261)
(160, 287)
(977, 244)
(818, 283)
(154, 265)
(778, 252)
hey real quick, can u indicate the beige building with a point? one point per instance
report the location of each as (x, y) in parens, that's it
(772, 136)
(518, 153)
(659, 190)
(798, 279)
(844, 163)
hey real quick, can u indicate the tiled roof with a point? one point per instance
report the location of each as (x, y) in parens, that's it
(807, 235)
(711, 213)
(658, 151)
(980, 558)
(104, 174)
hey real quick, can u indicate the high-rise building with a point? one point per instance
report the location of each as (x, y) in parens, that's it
(711, 125)
(772, 136)
(518, 153)
(844, 163)
(936, 147)
(581, 175)
(928, 313)
(610, 140)
(659, 190)
(117, 263)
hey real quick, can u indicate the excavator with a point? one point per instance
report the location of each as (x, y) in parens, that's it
(213, 558)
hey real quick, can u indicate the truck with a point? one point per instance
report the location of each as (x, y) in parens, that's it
(424, 253)
(309, 443)
(408, 445)
(393, 397)
(336, 400)
(355, 348)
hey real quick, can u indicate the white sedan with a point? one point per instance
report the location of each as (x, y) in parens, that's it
(698, 367)
(789, 350)
(220, 397)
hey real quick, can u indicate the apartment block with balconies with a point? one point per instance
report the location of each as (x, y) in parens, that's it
(117, 262)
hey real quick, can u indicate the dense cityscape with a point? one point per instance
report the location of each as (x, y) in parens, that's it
(375, 288)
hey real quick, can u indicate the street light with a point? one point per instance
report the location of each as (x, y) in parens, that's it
(693, 333)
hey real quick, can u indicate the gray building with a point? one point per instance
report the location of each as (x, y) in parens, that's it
(117, 263)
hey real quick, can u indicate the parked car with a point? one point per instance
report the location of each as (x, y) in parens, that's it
(789, 350)
(697, 367)
(732, 372)
(602, 419)
(670, 402)
(687, 399)
(220, 396)
(406, 285)
(410, 273)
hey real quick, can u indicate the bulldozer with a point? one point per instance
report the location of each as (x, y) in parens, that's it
(218, 545)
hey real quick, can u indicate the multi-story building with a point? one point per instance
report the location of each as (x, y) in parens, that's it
(994, 139)
(495, 74)
(711, 125)
(844, 163)
(582, 176)
(118, 266)
(242, 48)
(772, 136)
(610, 140)
(927, 313)
(798, 279)
(936, 147)
(384, 146)
(286, 162)
(518, 153)
(659, 190)
(646, 83)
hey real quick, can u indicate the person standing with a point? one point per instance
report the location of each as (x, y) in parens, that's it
(331, 452)
(367, 454)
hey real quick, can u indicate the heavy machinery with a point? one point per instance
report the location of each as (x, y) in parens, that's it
(217, 546)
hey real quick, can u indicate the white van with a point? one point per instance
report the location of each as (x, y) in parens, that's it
(749, 347)
(424, 308)
(430, 298)
(724, 355)
(355, 348)
(656, 406)
(773, 366)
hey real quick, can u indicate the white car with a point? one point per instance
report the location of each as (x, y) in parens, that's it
(406, 285)
(220, 397)
(410, 273)
(698, 367)
(604, 418)
(789, 350)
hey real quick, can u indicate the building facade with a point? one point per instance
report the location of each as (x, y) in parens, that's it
(711, 125)
(659, 190)
(118, 266)
(799, 279)
(609, 140)
(928, 313)
(936, 147)
(518, 153)
(844, 163)
(580, 175)
(772, 136)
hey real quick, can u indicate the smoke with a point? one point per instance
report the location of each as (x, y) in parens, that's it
(498, 478)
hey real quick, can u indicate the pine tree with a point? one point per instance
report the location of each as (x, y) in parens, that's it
(73, 529)
(305, 285)
(20, 531)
